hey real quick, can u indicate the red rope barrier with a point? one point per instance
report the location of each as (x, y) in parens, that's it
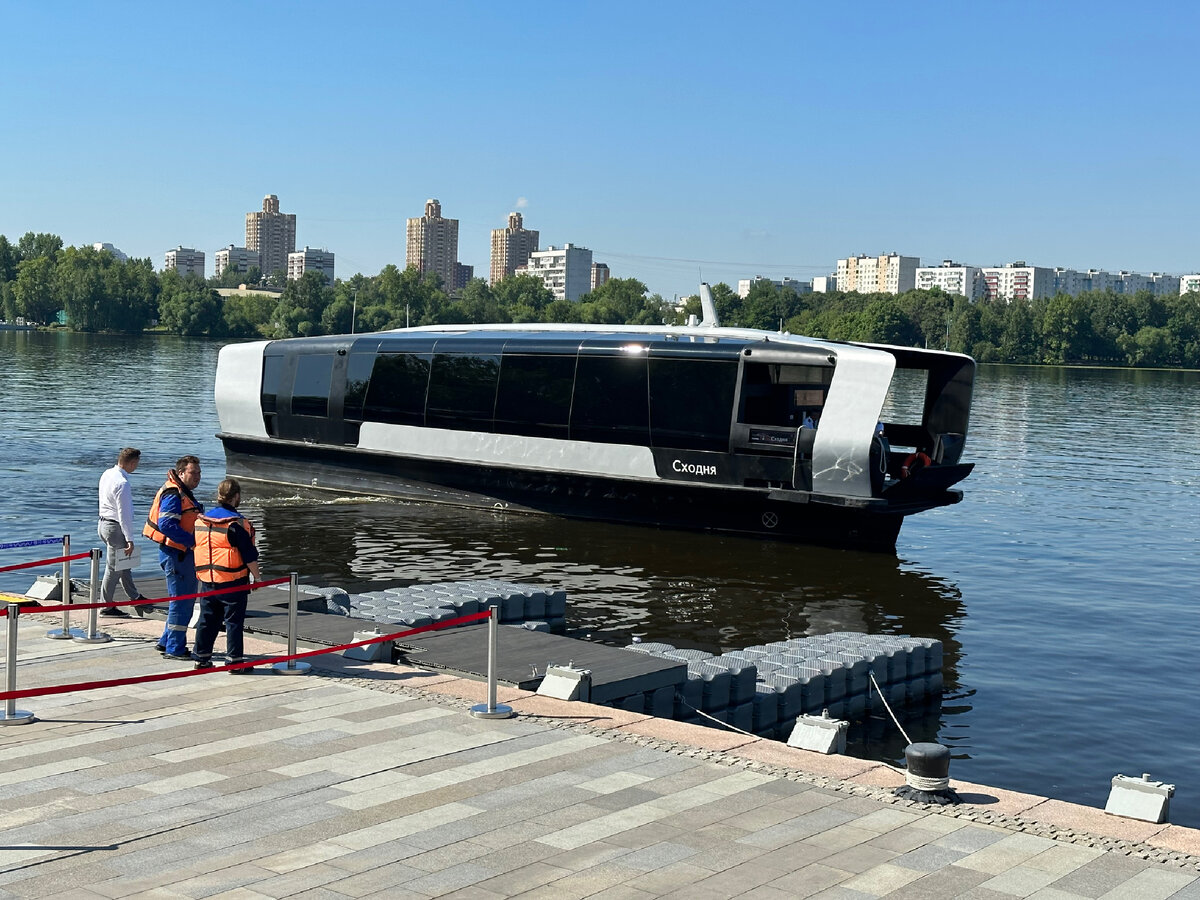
(271, 660)
(146, 600)
(45, 562)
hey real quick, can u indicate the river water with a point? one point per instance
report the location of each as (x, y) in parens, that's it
(1065, 585)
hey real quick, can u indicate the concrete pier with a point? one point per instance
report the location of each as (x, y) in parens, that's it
(369, 780)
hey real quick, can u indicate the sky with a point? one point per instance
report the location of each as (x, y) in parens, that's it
(680, 142)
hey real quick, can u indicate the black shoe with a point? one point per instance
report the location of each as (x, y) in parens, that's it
(140, 611)
(160, 648)
(246, 671)
(114, 612)
(203, 664)
(182, 657)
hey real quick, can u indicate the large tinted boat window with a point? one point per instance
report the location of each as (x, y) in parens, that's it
(272, 375)
(462, 391)
(535, 395)
(610, 402)
(310, 389)
(358, 374)
(691, 402)
(396, 391)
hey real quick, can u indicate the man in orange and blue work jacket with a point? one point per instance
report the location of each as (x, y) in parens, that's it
(172, 525)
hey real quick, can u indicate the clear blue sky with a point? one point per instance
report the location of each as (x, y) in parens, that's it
(678, 141)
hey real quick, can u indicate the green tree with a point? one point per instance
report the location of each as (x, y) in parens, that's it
(32, 246)
(9, 257)
(188, 306)
(35, 294)
(79, 287)
(523, 298)
(301, 307)
(247, 315)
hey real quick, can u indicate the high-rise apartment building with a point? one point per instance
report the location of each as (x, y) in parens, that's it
(433, 245)
(1017, 281)
(511, 247)
(310, 260)
(116, 254)
(272, 234)
(186, 261)
(462, 274)
(239, 259)
(889, 273)
(600, 274)
(566, 271)
(953, 278)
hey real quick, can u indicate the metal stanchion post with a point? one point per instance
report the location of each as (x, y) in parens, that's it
(292, 667)
(12, 715)
(94, 635)
(491, 710)
(64, 633)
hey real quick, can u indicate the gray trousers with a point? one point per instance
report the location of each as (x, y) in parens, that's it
(114, 537)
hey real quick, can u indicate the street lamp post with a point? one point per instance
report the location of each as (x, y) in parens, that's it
(354, 311)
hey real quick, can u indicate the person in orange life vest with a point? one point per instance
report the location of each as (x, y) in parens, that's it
(170, 524)
(225, 557)
(916, 461)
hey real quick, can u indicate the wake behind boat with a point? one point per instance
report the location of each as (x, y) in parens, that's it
(694, 427)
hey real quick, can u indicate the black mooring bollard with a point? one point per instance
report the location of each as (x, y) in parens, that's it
(927, 779)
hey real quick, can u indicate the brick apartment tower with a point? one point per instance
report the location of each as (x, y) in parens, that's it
(272, 234)
(511, 247)
(433, 245)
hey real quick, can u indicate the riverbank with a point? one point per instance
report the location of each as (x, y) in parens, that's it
(372, 780)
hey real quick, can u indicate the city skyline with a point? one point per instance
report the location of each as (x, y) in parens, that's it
(679, 143)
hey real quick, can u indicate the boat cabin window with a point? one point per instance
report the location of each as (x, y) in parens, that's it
(534, 396)
(397, 388)
(310, 388)
(271, 379)
(610, 403)
(782, 395)
(691, 402)
(462, 391)
(905, 402)
(358, 375)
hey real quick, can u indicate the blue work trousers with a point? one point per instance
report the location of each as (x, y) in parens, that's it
(223, 609)
(181, 579)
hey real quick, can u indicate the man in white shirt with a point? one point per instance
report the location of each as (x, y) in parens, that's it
(116, 528)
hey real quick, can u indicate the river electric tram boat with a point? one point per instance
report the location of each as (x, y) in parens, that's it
(693, 427)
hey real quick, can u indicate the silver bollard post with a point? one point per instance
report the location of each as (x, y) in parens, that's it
(12, 715)
(292, 667)
(64, 633)
(93, 635)
(491, 710)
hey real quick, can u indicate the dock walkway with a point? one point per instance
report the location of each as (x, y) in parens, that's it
(364, 780)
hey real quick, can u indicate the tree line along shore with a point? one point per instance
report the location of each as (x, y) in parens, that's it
(39, 278)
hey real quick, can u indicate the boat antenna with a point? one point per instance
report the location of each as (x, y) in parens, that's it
(708, 308)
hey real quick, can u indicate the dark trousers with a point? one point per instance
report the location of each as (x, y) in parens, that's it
(223, 610)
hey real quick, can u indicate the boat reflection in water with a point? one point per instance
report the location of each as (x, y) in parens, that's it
(711, 592)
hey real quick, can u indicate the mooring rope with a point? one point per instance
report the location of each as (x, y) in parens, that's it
(721, 722)
(907, 739)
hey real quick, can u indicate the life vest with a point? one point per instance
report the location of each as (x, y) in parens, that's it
(187, 519)
(218, 560)
(915, 461)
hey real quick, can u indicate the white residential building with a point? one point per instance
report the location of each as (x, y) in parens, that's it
(310, 260)
(889, 273)
(116, 254)
(953, 278)
(800, 287)
(185, 261)
(566, 271)
(1189, 284)
(240, 259)
(1164, 285)
(823, 284)
(1018, 281)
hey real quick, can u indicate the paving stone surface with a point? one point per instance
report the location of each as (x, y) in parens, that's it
(360, 782)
